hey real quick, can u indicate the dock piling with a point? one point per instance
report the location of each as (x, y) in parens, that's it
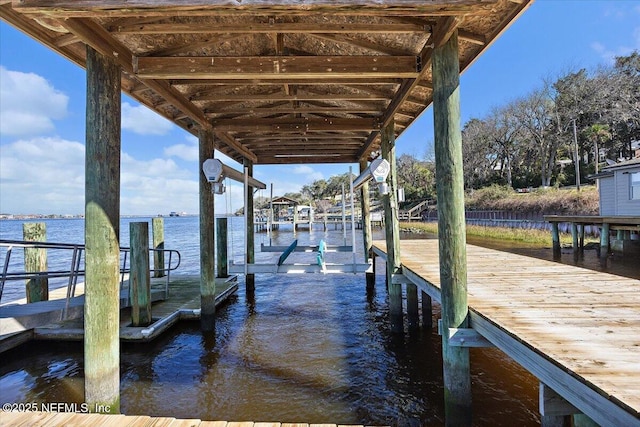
(555, 238)
(102, 234)
(250, 278)
(427, 311)
(35, 260)
(207, 242)
(451, 224)
(392, 229)
(158, 245)
(367, 240)
(221, 245)
(140, 277)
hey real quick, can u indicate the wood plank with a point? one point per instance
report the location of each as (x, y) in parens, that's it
(575, 327)
(270, 27)
(91, 8)
(265, 67)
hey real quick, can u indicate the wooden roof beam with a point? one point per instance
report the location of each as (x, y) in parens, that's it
(275, 82)
(276, 67)
(287, 137)
(295, 125)
(99, 39)
(440, 34)
(293, 110)
(306, 158)
(470, 37)
(364, 44)
(172, 8)
(267, 28)
(235, 145)
(276, 97)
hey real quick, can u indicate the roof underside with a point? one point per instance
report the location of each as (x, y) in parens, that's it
(278, 81)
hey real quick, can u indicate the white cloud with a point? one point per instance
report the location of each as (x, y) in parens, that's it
(46, 176)
(29, 104)
(188, 151)
(142, 121)
(42, 175)
(310, 174)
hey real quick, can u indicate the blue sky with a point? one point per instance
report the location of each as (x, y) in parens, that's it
(42, 110)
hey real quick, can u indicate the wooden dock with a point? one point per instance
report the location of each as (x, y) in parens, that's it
(51, 419)
(576, 330)
(22, 322)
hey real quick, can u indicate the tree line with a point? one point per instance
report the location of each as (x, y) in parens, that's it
(531, 141)
(534, 140)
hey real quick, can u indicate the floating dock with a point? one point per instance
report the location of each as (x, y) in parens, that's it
(43, 320)
(576, 330)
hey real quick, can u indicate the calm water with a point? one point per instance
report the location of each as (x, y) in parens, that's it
(307, 348)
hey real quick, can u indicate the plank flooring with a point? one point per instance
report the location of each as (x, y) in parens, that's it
(51, 419)
(42, 320)
(585, 322)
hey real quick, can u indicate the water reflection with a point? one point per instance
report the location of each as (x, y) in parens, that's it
(302, 348)
(307, 348)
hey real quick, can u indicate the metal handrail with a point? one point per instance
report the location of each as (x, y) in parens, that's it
(74, 271)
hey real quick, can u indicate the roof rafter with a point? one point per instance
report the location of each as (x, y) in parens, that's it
(276, 67)
(268, 27)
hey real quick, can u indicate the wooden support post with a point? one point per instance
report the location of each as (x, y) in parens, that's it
(582, 226)
(158, 246)
(139, 277)
(427, 311)
(102, 235)
(392, 228)
(582, 420)
(553, 407)
(250, 279)
(451, 228)
(367, 239)
(574, 237)
(207, 242)
(412, 306)
(604, 240)
(221, 245)
(555, 237)
(35, 260)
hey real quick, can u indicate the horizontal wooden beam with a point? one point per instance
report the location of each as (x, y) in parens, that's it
(311, 158)
(266, 67)
(266, 27)
(474, 38)
(344, 136)
(276, 97)
(295, 125)
(136, 8)
(294, 110)
(235, 145)
(281, 81)
(305, 150)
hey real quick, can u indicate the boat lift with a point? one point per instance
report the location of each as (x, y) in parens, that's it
(215, 171)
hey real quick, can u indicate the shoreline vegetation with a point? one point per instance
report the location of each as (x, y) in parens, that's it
(534, 237)
(549, 201)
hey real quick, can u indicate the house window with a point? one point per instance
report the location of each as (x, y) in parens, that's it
(635, 186)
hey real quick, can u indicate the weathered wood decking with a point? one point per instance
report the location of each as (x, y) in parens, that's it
(42, 320)
(46, 419)
(577, 330)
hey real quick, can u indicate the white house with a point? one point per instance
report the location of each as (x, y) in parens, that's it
(620, 188)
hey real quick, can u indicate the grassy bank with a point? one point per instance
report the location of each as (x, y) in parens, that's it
(541, 238)
(545, 201)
